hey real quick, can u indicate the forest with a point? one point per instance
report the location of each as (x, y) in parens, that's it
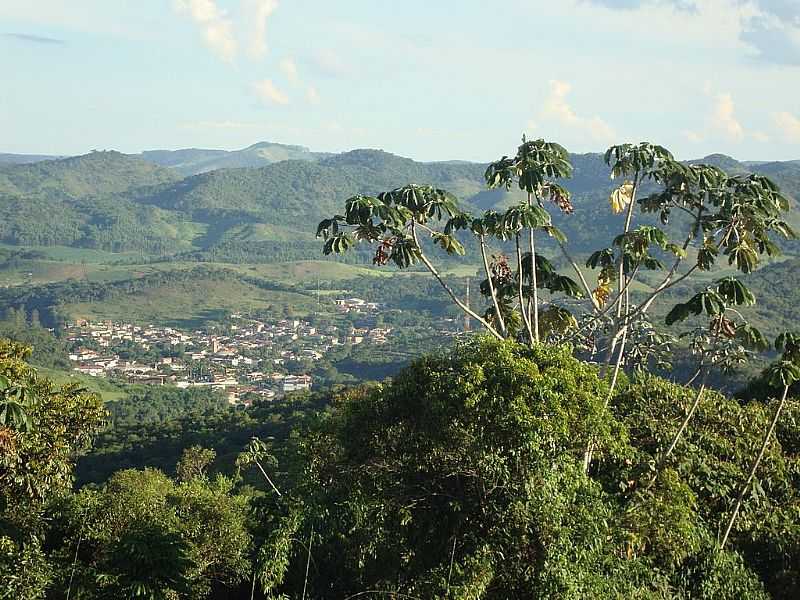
(555, 451)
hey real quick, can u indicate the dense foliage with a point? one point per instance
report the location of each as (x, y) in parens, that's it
(47, 299)
(544, 460)
(462, 478)
(115, 202)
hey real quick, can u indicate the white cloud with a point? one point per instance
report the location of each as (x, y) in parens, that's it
(723, 118)
(258, 13)
(215, 24)
(557, 108)
(269, 92)
(722, 121)
(312, 95)
(789, 126)
(289, 69)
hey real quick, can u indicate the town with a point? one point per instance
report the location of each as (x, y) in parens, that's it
(247, 359)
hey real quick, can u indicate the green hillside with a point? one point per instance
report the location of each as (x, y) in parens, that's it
(117, 203)
(184, 298)
(192, 161)
(97, 174)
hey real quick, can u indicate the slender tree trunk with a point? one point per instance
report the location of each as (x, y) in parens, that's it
(450, 292)
(621, 283)
(308, 562)
(525, 316)
(534, 282)
(500, 320)
(753, 469)
(698, 397)
(579, 273)
(264, 473)
(587, 456)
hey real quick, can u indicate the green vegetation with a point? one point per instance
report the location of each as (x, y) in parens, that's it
(462, 478)
(114, 202)
(542, 459)
(183, 298)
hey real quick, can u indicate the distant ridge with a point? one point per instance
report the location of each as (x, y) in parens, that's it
(193, 161)
(24, 159)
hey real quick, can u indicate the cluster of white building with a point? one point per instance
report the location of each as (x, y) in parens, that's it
(229, 362)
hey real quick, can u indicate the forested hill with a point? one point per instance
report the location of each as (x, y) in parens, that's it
(95, 174)
(192, 161)
(116, 202)
(292, 192)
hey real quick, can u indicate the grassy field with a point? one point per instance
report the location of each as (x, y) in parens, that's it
(189, 305)
(108, 391)
(79, 255)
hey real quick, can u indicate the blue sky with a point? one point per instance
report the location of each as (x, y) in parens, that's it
(432, 79)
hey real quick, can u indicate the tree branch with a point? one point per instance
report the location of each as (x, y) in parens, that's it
(496, 304)
(449, 291)
(525, 316)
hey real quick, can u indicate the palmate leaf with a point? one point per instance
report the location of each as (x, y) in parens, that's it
(707, 301)
(745, 257)
(369, 232)
(783, 373)
(565, 285)
(676, 250)
(651, 263)
(421, 200)
(783, 228)
(751, 338)
(359, 209)
(523, 216)
(448, 243)
(338, 244)
(734, 292)
(15, 401)
(621, 197)
(601, 258)
(707, 255)
(393, 216)
(629, 158)
(789, 344)
(499, 173)
(328, 227)
(555, 233)
(13, 414)
(556, 320)
(405, 252)
(458, 222)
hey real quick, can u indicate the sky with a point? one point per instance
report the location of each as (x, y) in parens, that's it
(427, 79)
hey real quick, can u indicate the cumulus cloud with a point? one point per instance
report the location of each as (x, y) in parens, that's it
(258, 13)
(774, 39)
(215, 24)
(789, 126)
(770, 28)
(723, 118)
(722, 121)
(268, 92)
(558, 109)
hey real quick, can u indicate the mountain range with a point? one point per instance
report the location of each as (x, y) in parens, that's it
(260, 202)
